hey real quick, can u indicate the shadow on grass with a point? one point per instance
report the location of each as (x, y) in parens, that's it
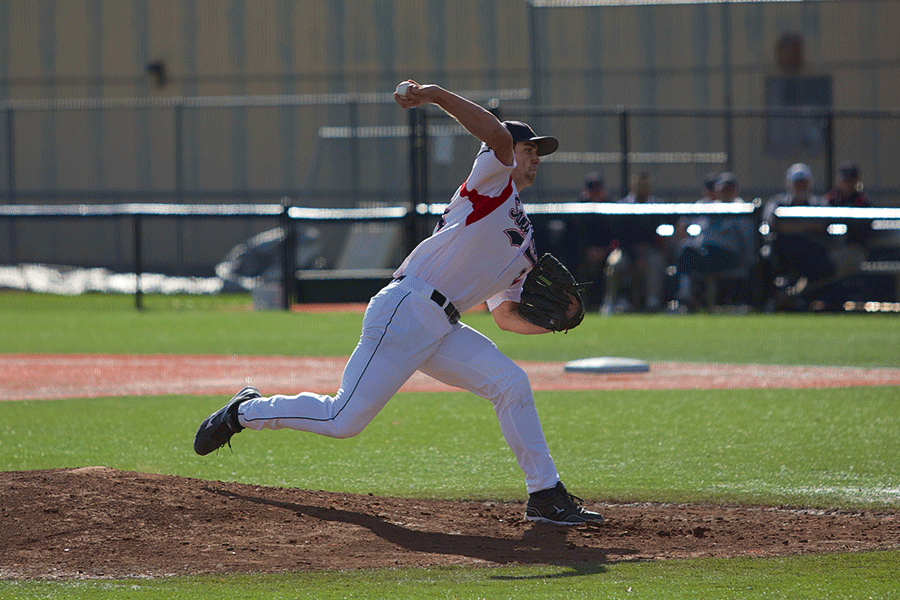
(540, 544)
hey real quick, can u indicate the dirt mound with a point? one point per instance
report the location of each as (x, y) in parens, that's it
(97, 522)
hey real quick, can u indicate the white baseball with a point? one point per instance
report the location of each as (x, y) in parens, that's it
(403, 88)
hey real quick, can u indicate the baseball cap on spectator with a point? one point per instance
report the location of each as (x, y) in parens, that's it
(799, 172)
(593, 181)
(726, 179)
(848, 170)
(523, 133)
(709, 180)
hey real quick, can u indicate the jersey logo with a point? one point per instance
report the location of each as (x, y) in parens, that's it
(443, 220)
(518, 215)
(482, 206)
(515, 237)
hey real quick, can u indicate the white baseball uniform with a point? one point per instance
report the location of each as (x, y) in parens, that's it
(480, 251)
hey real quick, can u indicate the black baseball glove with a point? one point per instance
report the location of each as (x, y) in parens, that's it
(547, 295)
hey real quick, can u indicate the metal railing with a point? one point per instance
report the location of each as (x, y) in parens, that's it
(289, 216)
(139, 213)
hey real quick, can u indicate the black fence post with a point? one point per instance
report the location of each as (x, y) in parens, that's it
(178, 143)
(534, 56)
(288, 253)
(10, 159)
(418, 171)
(353, 108)
(138, 262)
(11, 183)
(758, 266)
(829, 150)
(423, 175)
(623, 144)
(729, 141)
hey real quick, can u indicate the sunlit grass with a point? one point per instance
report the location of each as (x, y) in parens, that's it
(822, 448)
(870, 575)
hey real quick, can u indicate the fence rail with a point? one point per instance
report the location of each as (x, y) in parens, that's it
(881, 219)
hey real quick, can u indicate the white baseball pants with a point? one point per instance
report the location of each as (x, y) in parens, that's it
(404, 331)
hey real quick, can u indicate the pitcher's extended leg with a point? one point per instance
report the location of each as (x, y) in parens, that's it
(398, 333)
(469, 360)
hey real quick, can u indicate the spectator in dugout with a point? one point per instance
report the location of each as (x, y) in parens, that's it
(724, 244)
(685, 225)
(796, 249)
(593, 236)
(849, 189)
(849, 251)
(580, 241)
(565, 236)
(709, 187)
(635, 266)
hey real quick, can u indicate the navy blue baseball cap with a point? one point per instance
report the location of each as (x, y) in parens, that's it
(593, 181)
(725, 179)
(523, 133)
(848, 170)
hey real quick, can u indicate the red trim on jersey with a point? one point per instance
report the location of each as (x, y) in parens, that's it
(482, 206)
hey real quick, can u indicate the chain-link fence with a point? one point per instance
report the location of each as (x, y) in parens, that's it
(353, 150)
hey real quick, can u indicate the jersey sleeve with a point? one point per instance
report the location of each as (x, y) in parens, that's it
(510, 294)
(489, 176)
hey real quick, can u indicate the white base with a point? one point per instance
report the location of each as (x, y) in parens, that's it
(607, 364)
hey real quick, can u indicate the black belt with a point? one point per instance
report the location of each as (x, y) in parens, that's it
(449, 309)
(442, 301)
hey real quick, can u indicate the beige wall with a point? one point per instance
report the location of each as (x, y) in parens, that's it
(647, 56)
(652, 56)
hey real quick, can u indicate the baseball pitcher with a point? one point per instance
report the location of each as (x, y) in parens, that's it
(482, 250)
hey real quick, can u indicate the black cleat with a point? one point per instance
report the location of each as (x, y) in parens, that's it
(557, 505)
(216, 430)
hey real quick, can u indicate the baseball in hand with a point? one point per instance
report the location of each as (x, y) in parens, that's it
(403, 89)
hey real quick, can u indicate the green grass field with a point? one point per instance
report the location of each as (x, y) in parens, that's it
(837, 448)
(225, 325)
(749, 446)
(824, 577)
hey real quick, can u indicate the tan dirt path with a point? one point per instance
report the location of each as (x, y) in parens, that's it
(54, 376)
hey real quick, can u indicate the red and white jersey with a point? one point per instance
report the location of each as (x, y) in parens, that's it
(482, 248)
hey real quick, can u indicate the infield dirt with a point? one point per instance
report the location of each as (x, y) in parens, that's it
(97, 522)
